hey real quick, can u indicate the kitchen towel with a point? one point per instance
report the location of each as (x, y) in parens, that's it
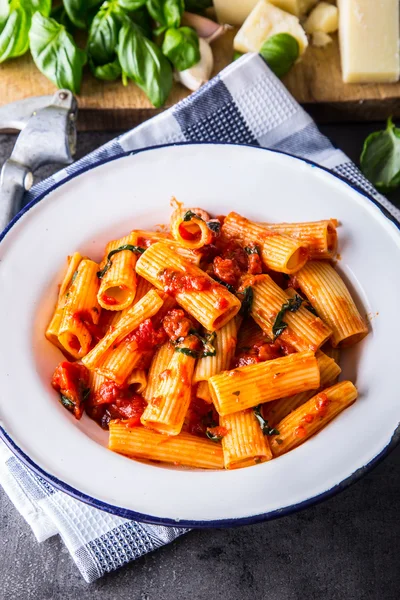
(244, 104)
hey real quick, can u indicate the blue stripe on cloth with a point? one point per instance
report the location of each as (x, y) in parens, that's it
(212, 114)
(35, 487)
(307, 142)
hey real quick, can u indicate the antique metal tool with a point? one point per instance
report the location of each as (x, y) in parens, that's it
(48, 135)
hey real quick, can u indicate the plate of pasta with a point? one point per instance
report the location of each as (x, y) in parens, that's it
(200, 334)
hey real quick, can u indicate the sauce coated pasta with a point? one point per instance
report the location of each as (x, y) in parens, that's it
(209, 345)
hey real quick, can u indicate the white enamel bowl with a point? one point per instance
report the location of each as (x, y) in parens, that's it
(134, 191)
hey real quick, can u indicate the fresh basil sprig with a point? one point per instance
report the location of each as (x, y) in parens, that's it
(79, 11)
(143, 61)
(167, 13)
(213, 436)
(103, 33)
(380, 158)
(265, 428)
(55, 53)
(107, 266)
(107, 72)
(181, 46)
(280, 52)
(292, 305)
(15, 23)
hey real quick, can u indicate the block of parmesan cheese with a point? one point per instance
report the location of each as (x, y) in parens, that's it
(296, 7)
(264, 21)
(369, 40)
(233, 12)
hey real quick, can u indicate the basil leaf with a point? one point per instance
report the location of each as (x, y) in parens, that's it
(187, 351)
(67, 403)
(213, 436)
(265, 428)
(141, 17)
(252, 250)
(247, 301)
(167, 13)
(60, 15)
(135, 249)
(79, 10)
(15, 22)
(131, 5)
(108, 72)
(292, 305)
(215, 227)
(280, 52)
(228, 286)
(189, 215)
(310, 309)
(55, 53)
(103, 33)
(380, 158)
(181, 46)
(143, 61)
(208, 343)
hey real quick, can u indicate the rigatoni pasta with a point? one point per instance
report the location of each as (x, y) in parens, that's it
(200, 345)
(328, 293)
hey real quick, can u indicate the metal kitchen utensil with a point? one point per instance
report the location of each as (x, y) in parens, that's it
(48, 135)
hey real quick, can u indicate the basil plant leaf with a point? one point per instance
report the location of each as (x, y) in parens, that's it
(131, 5)
(380, 158)
(108, 72)
(181, 46)
(143, 61)
(15, 22)
(79, 10)
(280, 52)
(104, 32)
(166, 12)
(55, 53)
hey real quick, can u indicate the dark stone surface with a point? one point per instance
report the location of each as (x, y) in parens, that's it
(344, 549)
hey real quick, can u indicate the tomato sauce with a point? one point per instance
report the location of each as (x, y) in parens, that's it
(176, 281)
(146, 337)
(71, 380)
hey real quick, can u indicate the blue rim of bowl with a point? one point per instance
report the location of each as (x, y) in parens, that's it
(130, 514)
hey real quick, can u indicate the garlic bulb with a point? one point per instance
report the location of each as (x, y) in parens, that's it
(200, 73)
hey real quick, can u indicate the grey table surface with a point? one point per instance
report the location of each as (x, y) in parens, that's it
(343, 549)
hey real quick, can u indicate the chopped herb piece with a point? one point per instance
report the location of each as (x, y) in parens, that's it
(236, 393)
(208, 343)
(257, 460)
(265, 428)
(247, 301)
(252, 250)
(107, 266)
(187, 351)
(85, 394)
(213, 436)
(279, 441)
(67, 403)
(215, 226)
(189, 215)
(228, 286)
(292, 305)
(74, 276)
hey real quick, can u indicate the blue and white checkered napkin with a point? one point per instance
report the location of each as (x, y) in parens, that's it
(244, 104)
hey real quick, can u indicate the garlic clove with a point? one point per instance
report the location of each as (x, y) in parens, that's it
(200, 73)
(205, 28)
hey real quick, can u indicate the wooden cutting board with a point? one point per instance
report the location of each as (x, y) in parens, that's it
(315, 82)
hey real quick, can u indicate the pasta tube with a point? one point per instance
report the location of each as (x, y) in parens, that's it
(118, 281)
(278, 409)
(203, 392)
(159, 364)
(304, 330)
(328, 293)
(145, 308)
(312, 416)
(278, 252)
(248, 386)
(183, 449)
(203, 298)
(138, 378)
(53, 328)
(81, 307)
(320, 236)
(166, 411)
(189, 229)
(244, 443)
(224, 344)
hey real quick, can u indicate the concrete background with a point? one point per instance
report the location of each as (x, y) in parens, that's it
(344, 549)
